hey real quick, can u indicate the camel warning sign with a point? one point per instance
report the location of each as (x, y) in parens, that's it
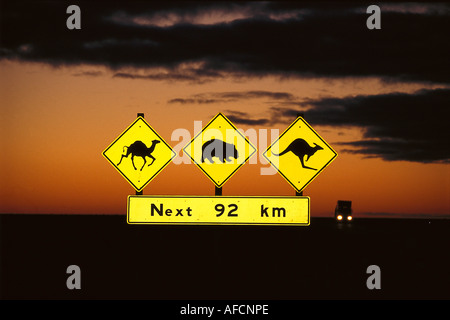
(139, 154)
(299, 154)
(219, 150)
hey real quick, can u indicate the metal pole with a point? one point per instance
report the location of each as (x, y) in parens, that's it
(140, 193)
(299, 194)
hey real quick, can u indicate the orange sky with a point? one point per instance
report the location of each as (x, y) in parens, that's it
(55, 123)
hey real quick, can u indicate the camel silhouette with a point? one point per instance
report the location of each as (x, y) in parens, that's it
(139, 149)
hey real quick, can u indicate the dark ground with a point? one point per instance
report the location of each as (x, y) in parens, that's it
(322, 261)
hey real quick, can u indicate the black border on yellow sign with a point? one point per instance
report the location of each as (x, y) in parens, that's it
(221, 223)
(234, 127)
(317, 173)
(120, 171)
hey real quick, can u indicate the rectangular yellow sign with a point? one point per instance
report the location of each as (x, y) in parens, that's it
(223, 210)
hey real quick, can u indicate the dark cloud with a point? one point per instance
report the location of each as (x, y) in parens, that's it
(256, 94)
(396, 126)
(233, 96)
(391, 150)
(194, 100)
(88, 74)
(243, 118)
(168, 76)
(284, 39)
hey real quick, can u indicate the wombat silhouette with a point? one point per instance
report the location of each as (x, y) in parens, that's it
(301, 148)
(220, 149)
(139, 149)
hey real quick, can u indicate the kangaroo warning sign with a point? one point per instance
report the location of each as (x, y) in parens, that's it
(139, 154)
(299, 154)
(219, 150)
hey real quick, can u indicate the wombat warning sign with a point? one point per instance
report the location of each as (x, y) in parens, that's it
(219, 150)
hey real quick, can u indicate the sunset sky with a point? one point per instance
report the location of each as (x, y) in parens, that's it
(380, 98)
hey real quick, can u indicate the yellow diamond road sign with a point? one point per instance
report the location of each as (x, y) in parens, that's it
(139, 154)
(299, 154)
(219, 150)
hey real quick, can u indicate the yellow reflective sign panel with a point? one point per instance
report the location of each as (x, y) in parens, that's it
(219, 150)
(139, 154)
(299, 154)
(207, 210)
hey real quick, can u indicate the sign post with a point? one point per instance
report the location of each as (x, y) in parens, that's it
(139, 193)
(299, 194)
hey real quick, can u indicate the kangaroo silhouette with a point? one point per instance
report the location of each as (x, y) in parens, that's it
(217, 148)
(301, 148)
(139, 149)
